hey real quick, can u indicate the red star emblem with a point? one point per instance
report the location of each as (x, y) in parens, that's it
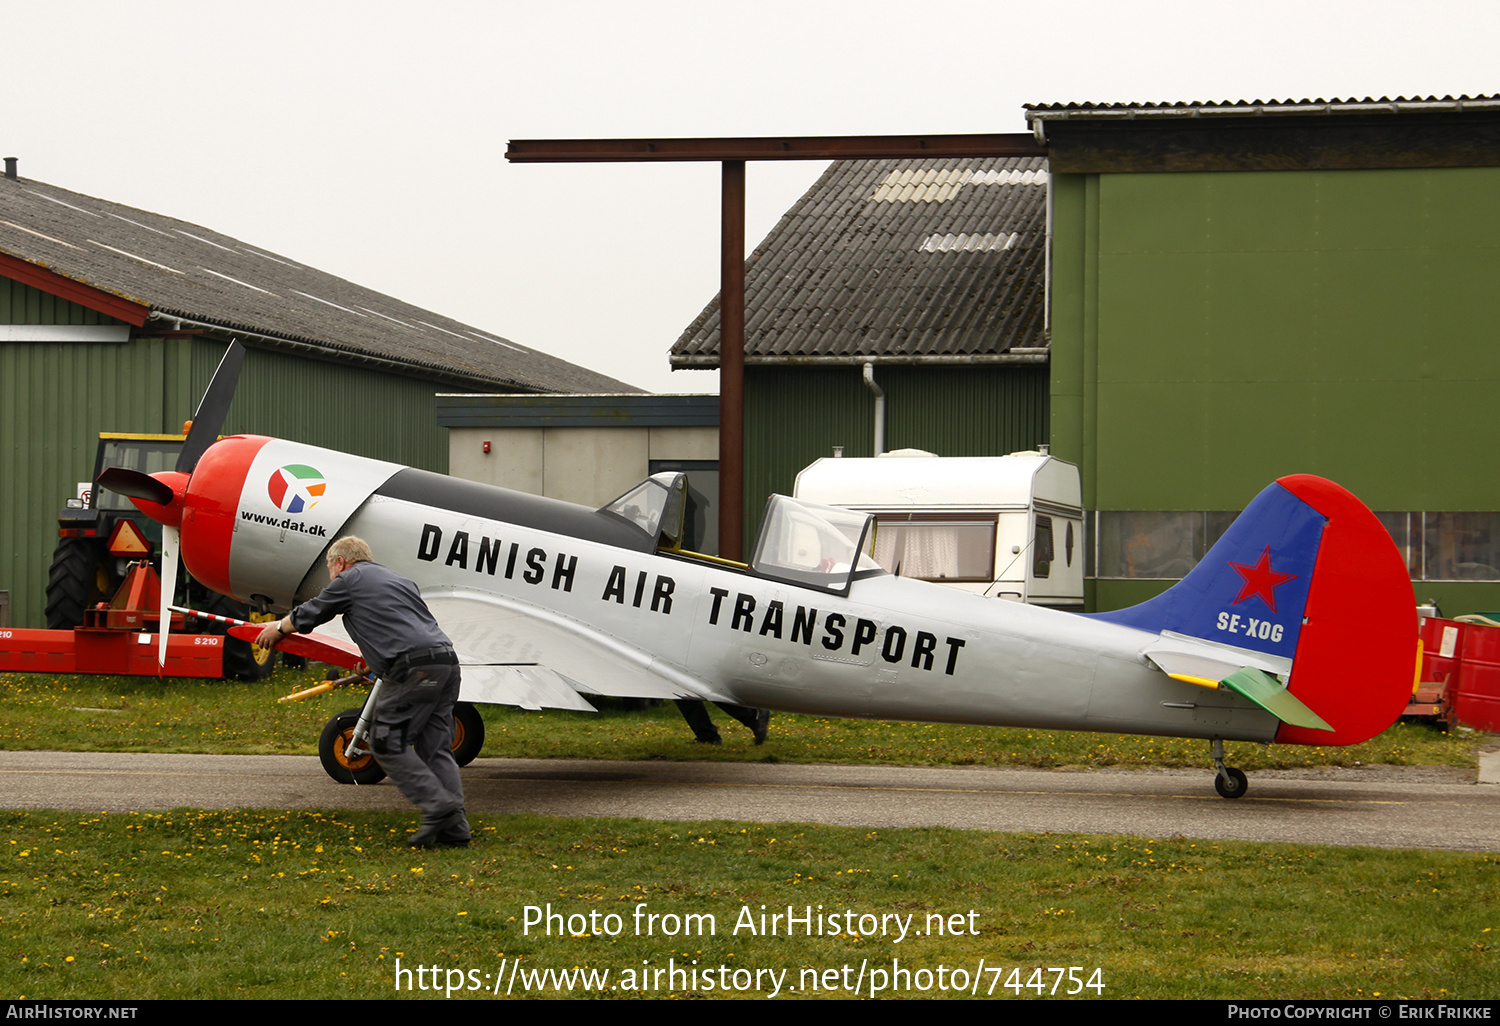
(1260, 579)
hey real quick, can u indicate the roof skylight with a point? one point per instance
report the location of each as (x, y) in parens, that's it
(966, 243)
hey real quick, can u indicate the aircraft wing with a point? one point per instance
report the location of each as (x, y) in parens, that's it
(529, 687)
(1243, 671)
(547, 652)
(516, 654)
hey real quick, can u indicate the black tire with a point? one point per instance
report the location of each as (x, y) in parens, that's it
(242, 660)
(468, 733)
(72, 583)
(362, 769)
(1232, 784)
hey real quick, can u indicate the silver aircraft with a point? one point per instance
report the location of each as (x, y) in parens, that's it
(1297, 627)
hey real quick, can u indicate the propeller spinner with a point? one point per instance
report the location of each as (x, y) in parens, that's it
(161, 496)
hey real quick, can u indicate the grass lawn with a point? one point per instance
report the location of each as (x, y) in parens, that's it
(99, 713)
(275, 904)
(280, 904)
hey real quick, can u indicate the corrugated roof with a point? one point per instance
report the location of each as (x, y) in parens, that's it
(182, 270)
(896, 259)
(1227, 108)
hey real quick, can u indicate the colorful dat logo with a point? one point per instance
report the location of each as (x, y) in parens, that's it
(296, 487)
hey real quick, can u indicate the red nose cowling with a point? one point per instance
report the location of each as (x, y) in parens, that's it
(171, 513)
(204, 506)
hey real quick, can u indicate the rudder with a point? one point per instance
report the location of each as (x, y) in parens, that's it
(1305, 573)
(1357, 656)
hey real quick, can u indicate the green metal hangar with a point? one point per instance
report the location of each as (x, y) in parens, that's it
(113, 319)
(900, 300)
(1241, 291)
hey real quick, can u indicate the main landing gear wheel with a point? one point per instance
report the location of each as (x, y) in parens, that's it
(468, 733)
(1228, 781)
(468, 739)
(360, 769)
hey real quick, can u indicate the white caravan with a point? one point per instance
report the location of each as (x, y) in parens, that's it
(1005, 526)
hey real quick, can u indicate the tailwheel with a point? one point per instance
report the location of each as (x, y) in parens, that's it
(1232, 783)
(468, 733)
(1228, 781)
(360, 768)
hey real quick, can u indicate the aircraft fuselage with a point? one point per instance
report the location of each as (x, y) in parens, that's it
(893, 649)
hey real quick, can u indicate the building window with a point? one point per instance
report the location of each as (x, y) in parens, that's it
(1408, 538)
(1167, 544)
(1460, 546)
(1160, 544)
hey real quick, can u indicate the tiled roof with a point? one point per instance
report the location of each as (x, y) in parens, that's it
(1229, 108)
(182, 271)
(896, 259)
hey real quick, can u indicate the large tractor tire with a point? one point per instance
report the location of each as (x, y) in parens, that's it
(72, 583)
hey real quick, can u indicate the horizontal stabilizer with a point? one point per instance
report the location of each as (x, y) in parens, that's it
(1247, 673)
(1267, 692)
(1206, 662)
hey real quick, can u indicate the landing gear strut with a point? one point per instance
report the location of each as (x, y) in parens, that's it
(1228, 781)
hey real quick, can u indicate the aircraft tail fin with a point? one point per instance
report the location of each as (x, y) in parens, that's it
(1306, 574)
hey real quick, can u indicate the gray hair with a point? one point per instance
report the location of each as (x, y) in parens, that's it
(351, 550)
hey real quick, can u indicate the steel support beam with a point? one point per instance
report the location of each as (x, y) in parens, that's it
(732, 360)
(830, 147)
(733, 153)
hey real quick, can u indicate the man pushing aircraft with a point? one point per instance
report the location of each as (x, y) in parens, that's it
(412, 733)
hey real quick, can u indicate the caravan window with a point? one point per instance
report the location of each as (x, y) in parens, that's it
(1041, 548)
(935, 547)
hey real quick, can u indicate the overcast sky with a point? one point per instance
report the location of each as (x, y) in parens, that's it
(368, 139)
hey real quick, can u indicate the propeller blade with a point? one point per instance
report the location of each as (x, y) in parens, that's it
(171, 537)
(135, 485)
(209, 419)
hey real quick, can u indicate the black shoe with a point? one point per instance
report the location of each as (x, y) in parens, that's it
(715, 740)
(430, 834)
(762, 725)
